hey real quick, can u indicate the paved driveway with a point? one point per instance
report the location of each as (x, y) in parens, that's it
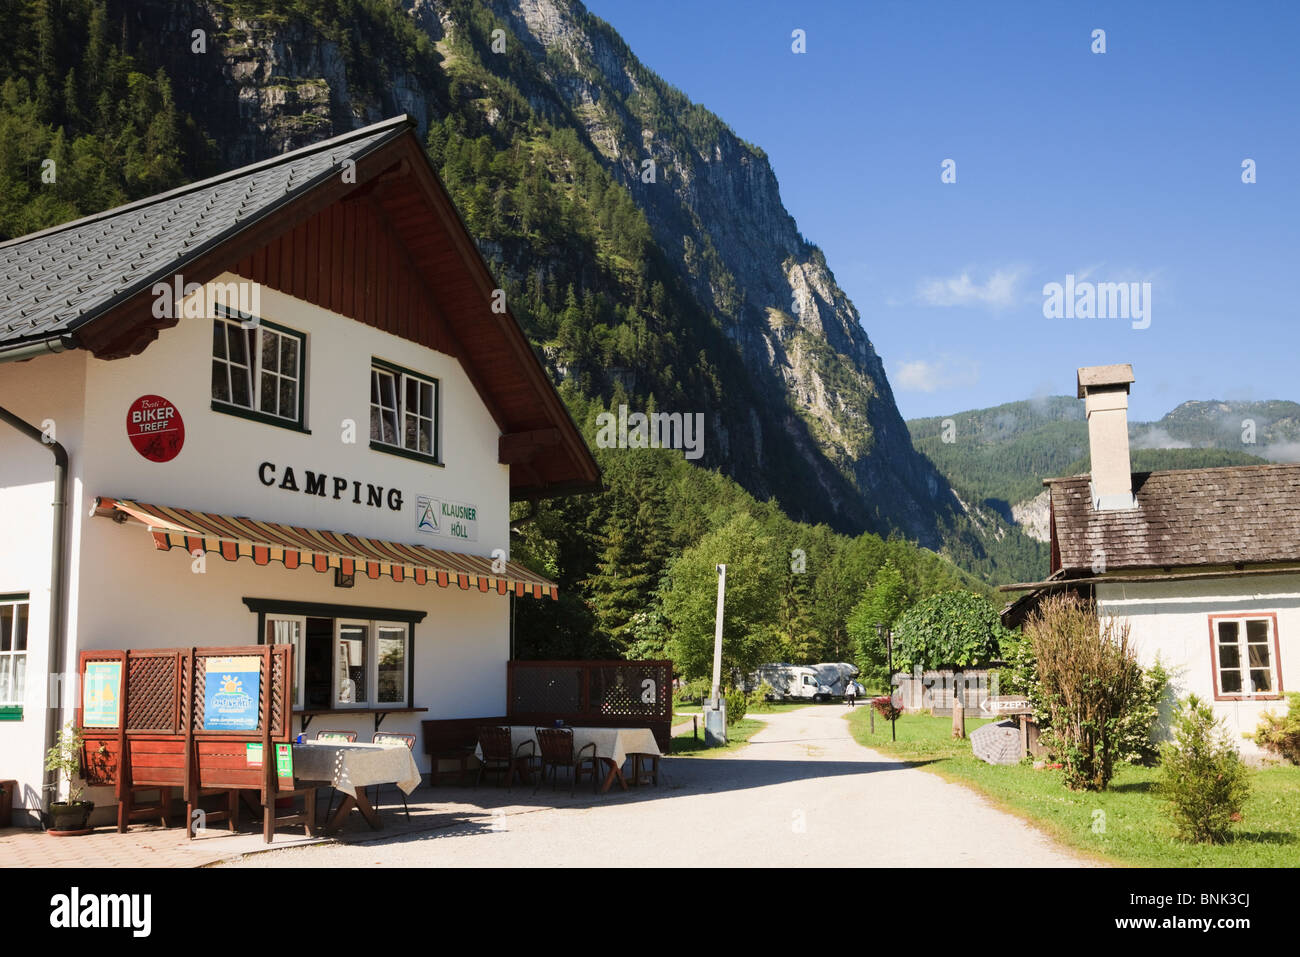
(803, 792)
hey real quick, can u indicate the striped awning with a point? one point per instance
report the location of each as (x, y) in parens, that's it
(265, 542)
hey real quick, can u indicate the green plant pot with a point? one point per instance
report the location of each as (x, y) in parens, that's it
(69, 819)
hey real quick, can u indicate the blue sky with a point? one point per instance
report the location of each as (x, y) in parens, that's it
(1123, 166)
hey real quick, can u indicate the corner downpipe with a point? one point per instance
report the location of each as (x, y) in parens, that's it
(54, 719)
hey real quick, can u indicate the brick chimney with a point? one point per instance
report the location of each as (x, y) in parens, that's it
(1104, 390)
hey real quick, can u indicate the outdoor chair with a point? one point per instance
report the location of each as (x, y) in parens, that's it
(339, 737)
(558, 752)
(498, 756)
(645, 769)
(343, 737)
(388, 737)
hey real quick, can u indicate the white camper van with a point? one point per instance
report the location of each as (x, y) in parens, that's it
(791, 682)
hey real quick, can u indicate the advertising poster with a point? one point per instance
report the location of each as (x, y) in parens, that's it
(99, 696)
(231, 693)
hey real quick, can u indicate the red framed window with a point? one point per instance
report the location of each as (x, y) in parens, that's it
(1244, 653)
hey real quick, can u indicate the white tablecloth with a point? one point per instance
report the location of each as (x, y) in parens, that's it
(352, 766)
(613, 744)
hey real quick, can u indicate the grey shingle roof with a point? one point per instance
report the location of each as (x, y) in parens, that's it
(1216, 516)
(54, 281)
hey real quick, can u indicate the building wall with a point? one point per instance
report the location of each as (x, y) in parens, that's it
(1172, 619)
(122, 592)
(50, 388)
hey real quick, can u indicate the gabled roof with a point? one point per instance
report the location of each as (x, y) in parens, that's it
(1244, 514)
(383, 245)
(54, 282)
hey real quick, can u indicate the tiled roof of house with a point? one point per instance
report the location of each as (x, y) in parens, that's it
(1216, 516)
(55, 281)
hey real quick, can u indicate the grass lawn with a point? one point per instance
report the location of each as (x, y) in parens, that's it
(684, 745)
(1137, 828)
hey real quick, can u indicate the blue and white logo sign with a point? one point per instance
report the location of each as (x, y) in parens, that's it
(231, 693)
(436, 516)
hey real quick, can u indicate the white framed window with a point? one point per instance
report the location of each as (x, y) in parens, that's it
(392, 663)
(1245, 650)
(403, 411)
(290, 630)
(257, 371)
(13, 649)
(351, 657)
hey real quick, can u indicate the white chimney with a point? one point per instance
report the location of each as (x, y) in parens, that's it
(1104, 390)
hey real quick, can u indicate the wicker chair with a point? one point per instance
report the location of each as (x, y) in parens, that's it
(389, 737)
(558, 752)
(497, 756)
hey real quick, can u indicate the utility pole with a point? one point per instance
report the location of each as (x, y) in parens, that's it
(715, 717)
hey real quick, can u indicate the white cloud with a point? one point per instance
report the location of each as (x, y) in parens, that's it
(1158, 438)
(947, 372)
(999, 289)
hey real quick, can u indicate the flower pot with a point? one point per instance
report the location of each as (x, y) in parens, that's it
(69, 819)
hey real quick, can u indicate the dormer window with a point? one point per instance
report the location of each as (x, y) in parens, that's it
(403, 412)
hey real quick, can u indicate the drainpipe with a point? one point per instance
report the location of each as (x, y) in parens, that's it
(55, 664)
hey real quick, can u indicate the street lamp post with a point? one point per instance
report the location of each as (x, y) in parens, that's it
(887, 636)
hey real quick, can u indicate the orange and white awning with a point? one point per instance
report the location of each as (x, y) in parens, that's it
(265, 542)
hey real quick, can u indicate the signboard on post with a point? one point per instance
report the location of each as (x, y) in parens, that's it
(230, 696)
(100, 692)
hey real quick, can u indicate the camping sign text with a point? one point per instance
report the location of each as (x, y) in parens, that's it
(320, 484)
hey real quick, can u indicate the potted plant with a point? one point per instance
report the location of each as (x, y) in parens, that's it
(68, 818)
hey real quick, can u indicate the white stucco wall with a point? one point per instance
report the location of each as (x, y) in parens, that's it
(1172, 619)
(50, 388)
(122, 592)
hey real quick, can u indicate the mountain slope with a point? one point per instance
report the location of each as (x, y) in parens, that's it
(1000, 455)
(688, 290)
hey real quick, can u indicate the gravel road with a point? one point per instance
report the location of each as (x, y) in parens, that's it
(803, 792)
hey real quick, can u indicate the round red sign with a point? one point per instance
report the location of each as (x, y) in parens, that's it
(155, 428)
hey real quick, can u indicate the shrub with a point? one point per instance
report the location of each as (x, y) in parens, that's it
(1086, 671)
(737, 704)
(884, 705)
(694, 691)
(1203, 778)
(951, 628)
(1136, 731)
(1280, 734)
(758, 698)
(1137, 744)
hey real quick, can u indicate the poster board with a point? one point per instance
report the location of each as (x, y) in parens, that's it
(101, 691)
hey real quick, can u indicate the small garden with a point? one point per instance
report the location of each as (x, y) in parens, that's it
(1108, 787)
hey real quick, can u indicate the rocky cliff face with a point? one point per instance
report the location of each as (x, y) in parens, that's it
(715, 204)
(266, 85)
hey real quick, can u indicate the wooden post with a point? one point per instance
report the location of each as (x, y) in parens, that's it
(123, 756)
(958, 716)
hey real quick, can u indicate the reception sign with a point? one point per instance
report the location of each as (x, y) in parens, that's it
(100, 691)
(436, 516)
(231, 694)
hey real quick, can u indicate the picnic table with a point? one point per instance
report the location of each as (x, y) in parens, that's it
(613, 745)
(353, 767)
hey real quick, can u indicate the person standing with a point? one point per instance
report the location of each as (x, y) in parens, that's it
(851, 692)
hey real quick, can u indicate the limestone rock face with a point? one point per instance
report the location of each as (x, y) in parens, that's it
(714, 206)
